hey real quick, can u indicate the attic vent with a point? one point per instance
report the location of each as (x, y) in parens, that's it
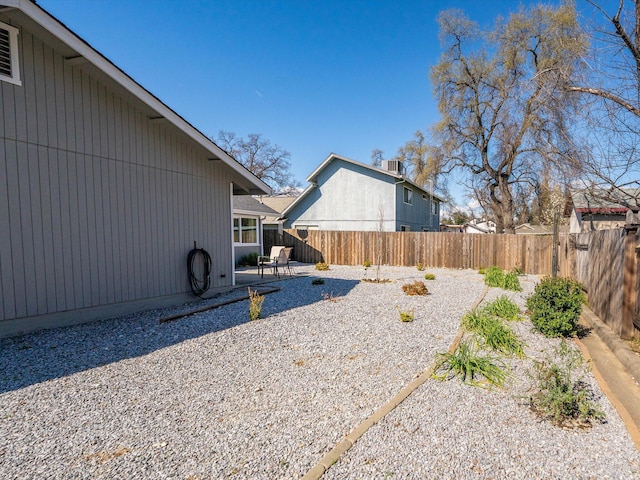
(9, 71)
(393, 166)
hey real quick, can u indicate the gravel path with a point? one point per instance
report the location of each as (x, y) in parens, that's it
(216, 396)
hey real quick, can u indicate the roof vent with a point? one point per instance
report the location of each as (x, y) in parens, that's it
(393, 166)
(5, 53)
(9, 70)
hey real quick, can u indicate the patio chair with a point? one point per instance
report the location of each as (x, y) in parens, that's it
(280, 263)
(269, 260)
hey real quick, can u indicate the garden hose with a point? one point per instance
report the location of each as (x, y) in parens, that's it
(199, 285)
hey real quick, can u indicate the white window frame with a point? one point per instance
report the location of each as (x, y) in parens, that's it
(434, 208)
(407, 195)
(13, 52)
(240, 229)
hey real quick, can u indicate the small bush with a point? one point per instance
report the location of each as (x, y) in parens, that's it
(503, 307)
(420, 267)
(317, 281)
(471, 367)
(555, 306)
(366, 264)
(322, 266)
(560, 397)
(481, 270)
(255, 304)
(496, 277)
(249, 260)
(415, 288)
(493, 333)
(406, 316)
(493, 276)
(429, 276)
(511, 282)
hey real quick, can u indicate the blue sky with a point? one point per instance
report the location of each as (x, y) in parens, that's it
(313, 77)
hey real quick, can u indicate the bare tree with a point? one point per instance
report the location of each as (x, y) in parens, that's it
(268, 162)
(502, 99)
(611, 88)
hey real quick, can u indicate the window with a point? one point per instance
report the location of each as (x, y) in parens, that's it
(408, 196)
(9, 69)
(245, 230)
(405, 228)
(434, 208)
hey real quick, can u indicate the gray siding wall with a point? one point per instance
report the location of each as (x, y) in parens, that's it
(348, 197)
(98, 204)
(417, 215)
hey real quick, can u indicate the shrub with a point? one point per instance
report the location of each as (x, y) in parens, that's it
(420, 267)
(322, 266)
(317, 281)
(249, 260)
(496, 277)
(555, 306)
(406, 316)
(470, 367)
(481, 270)
(415, 288)
(429, 276)
(493, 276)
(366, 264)
(255, 304)
(559, 396)
(493, 332)
(503, 307)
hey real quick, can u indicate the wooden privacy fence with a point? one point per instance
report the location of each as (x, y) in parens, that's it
(530, 253)
(605, 262)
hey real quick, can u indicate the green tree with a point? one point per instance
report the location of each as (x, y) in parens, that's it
(503, 100)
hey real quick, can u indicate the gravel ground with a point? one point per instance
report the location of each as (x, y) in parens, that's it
(215, 396)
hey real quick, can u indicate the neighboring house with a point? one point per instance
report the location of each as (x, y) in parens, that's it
(249, 216)
(590, 213)
(278, 203)
(104, 189)
(528, 229)
(452, 228)
(483, 226)
(349, 195)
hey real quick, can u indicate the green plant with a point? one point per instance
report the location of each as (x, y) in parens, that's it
(406, 315)
(466, 363)
(429, 276)
(317, 281)
(420, 267)
(517, 270)
(493, 332)
(496, 277)
(560, 394)
(255, 304)
(555, 306)
(415, 288)
(503, 307)
(249, 260)
(322, 266)
(481, 270)
(511, 282)
(366, 264)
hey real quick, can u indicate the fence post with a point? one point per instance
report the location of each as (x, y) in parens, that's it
(629, 288)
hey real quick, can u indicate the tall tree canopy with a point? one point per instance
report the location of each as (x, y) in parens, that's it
(503, 99)
(270, 163)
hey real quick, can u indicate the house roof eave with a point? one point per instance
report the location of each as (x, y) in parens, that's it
(55, 28)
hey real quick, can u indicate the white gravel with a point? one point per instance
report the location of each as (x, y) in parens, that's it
(216, 396)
